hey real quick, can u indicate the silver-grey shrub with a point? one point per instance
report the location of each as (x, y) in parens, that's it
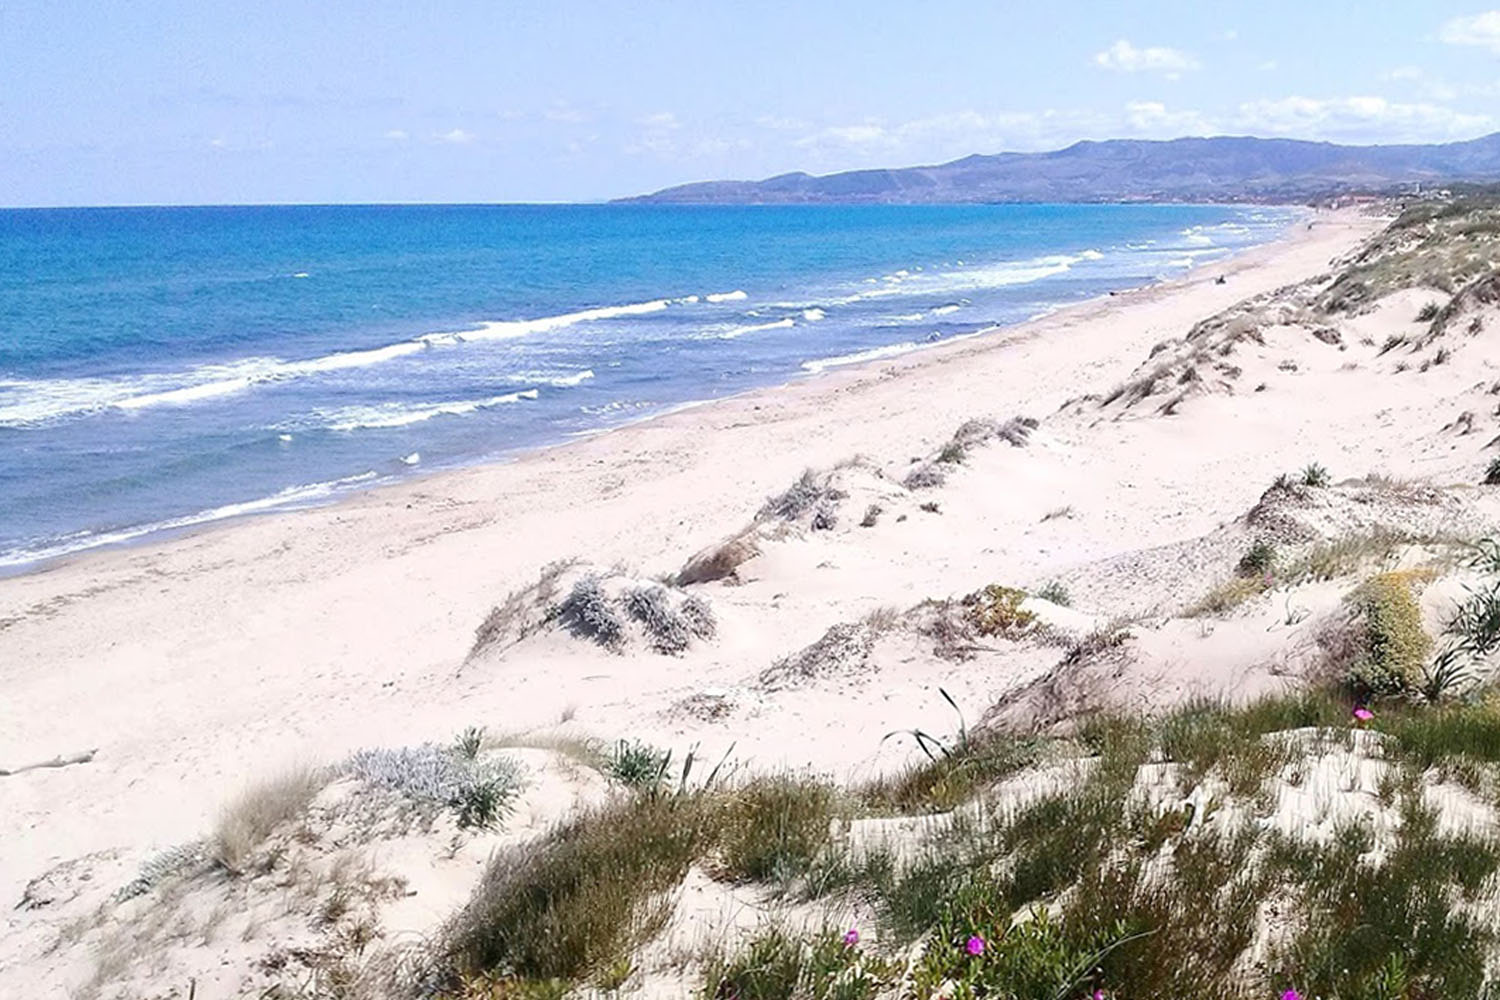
(589, 612)
(699, 616)
(435, 777)
(664, 624)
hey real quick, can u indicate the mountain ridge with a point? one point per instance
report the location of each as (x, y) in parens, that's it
(1214, 168)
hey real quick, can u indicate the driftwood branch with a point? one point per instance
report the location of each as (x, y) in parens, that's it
(77, 758)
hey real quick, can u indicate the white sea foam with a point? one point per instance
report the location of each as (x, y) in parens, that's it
(292, 496)
(508, 329)
(873, 354)
(386, 415)
(814, 314)
(734, 296)
(555, 379)
(946, 310)
(26, 403)
(906, 318)
(968, 278)
(740, 331)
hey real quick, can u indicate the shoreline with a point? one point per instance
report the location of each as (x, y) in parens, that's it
(198, 664)
(147, 536)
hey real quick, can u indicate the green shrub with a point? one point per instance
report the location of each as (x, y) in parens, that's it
(636, 764)
(1057, 594)
(1492, 473)
(778, 966)
(1473, 633)
(1394, 659)
(1315, 475)
(976, 951)
(953, 453)
(1258, 559)
(1428, 312)
(997, 611)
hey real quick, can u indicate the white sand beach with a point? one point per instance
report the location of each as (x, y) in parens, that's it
(197, 665)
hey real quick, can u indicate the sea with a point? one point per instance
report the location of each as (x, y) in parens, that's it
(162, 368)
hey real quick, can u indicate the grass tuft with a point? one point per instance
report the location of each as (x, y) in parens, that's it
(578, 901)
(771, 829)
(260, 811)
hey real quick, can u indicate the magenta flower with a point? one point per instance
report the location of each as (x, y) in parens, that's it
(1098, 995)
(1291, 995)
(1361, 714)
(851, 937)
(975, 945)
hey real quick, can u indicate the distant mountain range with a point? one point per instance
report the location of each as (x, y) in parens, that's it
(1222, 168)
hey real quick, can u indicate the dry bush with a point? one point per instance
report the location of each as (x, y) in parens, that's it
(249, 820)
(925, 477)
(522, 612)
(720, 561)
(813, 492)
(843, 649)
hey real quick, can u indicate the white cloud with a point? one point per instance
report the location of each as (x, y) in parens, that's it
(1154, 118)
(781, 124)
(1482, 30)
(1360, 118)
(1126, 58)
(1427, 86)
(397, 135)
(661, 120)
(458, 136)
(563, 112)
(1269, 66)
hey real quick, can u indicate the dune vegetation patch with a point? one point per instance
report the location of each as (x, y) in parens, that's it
(611, 608)
(1216, 851)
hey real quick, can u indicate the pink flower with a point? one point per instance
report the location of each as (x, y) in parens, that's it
(1098, 995)
(1361, 714)
(1291, 995)
(851, 937)
(975, 945)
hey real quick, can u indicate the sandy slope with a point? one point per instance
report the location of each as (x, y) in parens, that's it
(197, 665)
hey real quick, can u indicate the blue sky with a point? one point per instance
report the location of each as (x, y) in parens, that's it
(170, 101)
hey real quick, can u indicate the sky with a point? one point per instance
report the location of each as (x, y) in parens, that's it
(222, 101)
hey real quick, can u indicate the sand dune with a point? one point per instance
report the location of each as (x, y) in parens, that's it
(1119, 451)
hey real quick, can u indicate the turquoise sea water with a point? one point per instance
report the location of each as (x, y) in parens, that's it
(161, 367)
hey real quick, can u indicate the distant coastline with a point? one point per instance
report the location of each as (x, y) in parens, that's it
(1220, 169)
